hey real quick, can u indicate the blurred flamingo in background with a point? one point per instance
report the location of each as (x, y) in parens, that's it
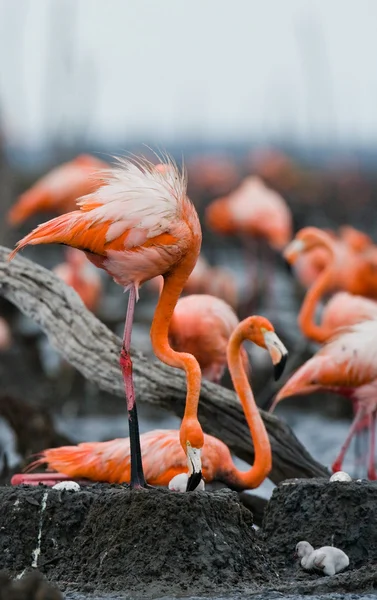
(137, 225)
(252, 210)
(79, 273)
(60, 188)
(202, 325)
(162, 453)
(354, 272)
(256, 213)
(345, 309)
(346, 365)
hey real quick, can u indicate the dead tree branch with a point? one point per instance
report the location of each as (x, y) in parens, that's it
(94, 350)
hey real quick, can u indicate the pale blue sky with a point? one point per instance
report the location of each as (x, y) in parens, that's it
(166, 70)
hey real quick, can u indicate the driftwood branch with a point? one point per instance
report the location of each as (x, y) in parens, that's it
(94, 350)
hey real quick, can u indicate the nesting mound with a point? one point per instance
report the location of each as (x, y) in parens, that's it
(324, 513)
(110, 538)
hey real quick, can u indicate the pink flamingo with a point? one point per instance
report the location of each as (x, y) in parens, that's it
(138, 225)
(346, 365)
(254, 212)
(202, 325)
(60, 188)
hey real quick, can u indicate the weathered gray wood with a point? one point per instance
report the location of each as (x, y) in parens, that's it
(94, 350)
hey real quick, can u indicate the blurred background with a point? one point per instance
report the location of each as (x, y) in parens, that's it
(285, 91)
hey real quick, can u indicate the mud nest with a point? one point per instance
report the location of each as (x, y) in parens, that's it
(323, 513)
(109, 538)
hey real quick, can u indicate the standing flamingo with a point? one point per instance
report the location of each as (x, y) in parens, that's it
(60, 188)
(138, 225)
(202, 325)
(256, 213)
(163, 457)
(347, 270)
(346, 365)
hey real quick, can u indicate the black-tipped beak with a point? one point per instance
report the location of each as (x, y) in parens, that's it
(280, 366)
(193, 481)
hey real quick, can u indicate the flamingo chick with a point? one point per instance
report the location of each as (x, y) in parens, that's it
(346, 365)
(59, 189)
(136, 226)
(202, 326)
(163, 456)
(327, 559)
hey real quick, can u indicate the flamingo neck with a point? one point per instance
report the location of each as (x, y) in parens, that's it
(324, 282)
(171, 291)
(262, 448)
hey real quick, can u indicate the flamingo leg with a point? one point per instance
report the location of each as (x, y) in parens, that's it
(137, 474)
(372, 446)
(337, 465)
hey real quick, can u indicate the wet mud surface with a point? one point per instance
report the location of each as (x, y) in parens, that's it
(109, 542)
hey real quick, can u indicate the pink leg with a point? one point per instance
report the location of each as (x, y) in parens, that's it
(372, 446)
(337, 465)
(137, 475)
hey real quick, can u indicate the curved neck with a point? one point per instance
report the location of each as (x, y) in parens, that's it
(173, 285)
(323, 283)
(262, 448)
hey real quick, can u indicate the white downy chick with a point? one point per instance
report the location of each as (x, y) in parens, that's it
(179, 483)
(327, 559)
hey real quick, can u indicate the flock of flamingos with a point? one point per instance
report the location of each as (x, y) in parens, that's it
(134, 220)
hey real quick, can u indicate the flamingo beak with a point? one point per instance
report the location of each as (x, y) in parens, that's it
(195, 467)
(278, 352)
(293, 250)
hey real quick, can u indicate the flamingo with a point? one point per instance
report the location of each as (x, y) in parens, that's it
(162, 453)
(256, 213)
(346, 365)
(202, 325)
(345, 309)
(138, 225)
(347, 270)
(59, 189)
(328, 559)
(308, 265)
(252, 210)
(80, 274)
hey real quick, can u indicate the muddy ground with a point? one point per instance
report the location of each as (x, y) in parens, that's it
(155, 543)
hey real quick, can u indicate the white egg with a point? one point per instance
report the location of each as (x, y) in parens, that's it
(340, 476)
(68, 486)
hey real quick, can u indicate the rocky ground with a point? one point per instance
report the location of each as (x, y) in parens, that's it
(107, 539)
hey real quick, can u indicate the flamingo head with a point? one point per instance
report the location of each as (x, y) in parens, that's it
(192, 441)
(260, 331)
(303, 549)
(305, 240)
